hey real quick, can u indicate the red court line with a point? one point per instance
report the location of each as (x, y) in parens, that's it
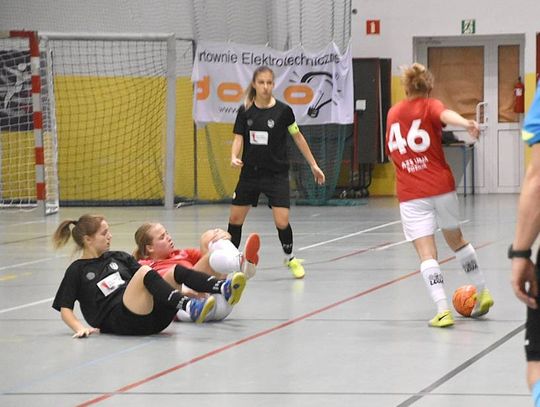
(260, 334)
(354, 253)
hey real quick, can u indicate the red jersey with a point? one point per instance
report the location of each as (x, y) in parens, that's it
(414, 144)
(185, 257)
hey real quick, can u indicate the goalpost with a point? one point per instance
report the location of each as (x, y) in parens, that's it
(28, 153)
(100, 105)
(115, 109)
(115, 113)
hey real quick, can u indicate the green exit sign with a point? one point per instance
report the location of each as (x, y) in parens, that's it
(468, 26)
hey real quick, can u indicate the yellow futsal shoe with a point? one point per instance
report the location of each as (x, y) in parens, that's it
(234, 287)
(295, 265)
(442, 320)
(200, 308)
(483, 303)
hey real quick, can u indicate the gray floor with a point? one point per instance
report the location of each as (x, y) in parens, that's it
(353, 332)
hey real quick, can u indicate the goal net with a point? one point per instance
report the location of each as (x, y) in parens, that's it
(216, 181)
(115, 113)
(28, 143)
(116, 118)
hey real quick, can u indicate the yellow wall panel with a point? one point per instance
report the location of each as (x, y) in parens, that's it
(530, 87)
(383, 179)
(18, 165)
(210, 160)
(185, 142)
(216, 178)
(110, 137)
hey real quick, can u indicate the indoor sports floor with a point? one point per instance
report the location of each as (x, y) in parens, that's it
(352, 333)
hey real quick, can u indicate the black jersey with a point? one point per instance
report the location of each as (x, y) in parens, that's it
(98, 284)
(265, 136)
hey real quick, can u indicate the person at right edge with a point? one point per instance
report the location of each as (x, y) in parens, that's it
(524, 273)
(261, 130)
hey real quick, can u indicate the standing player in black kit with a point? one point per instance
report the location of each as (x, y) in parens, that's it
(262, 127)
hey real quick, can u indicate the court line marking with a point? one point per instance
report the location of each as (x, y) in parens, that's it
(383, 246)
(28, 239)
(15, 390)
(30, 222)
(26, 263)
(270, 393)
(30, 304)
(262, 333)
(302, 248)
(427, 390)
(365, 231)
(349, 235)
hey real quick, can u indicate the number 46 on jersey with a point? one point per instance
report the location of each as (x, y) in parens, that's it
(417, 139)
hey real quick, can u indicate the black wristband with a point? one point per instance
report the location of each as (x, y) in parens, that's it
(522, 254)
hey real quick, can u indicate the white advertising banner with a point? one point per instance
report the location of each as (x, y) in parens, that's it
(317, 85)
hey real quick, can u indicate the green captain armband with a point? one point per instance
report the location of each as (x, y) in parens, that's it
(293, 129)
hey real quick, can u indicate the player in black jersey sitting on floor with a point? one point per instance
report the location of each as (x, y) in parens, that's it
(117, 295)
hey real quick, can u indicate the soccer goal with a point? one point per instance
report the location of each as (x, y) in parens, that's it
(28, 142)
(115, 117)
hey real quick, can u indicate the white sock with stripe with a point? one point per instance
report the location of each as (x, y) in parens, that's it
(431, 272)
(469, 262)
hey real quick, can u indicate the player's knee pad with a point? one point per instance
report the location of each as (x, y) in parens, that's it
(224, 261)
(223, 244)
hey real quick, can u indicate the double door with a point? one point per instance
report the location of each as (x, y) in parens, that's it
(475, 76)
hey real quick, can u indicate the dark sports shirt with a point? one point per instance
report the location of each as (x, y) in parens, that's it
(265, 136)
(98, 285)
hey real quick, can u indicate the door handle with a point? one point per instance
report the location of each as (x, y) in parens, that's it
(481, 116)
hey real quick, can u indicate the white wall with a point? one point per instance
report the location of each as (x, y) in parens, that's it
(138, 16)
(403, 20)
(279, 23)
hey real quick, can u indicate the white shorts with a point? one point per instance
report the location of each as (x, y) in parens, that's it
(421, 217)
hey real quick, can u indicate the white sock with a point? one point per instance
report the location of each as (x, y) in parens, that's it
(431, 272)
(183, 316)
(188, 308)
(222, 244)
(224, 257)
(469, 262)
(221, 310)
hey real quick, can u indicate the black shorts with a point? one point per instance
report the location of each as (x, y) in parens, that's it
(121, 321)
(532, 326)
(253, 182)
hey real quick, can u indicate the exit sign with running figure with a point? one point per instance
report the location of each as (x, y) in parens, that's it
(468, 26)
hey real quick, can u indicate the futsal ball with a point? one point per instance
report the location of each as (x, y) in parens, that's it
(464, 299)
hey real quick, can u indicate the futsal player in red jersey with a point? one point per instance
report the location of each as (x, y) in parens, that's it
(216, 256)
(426, 189)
